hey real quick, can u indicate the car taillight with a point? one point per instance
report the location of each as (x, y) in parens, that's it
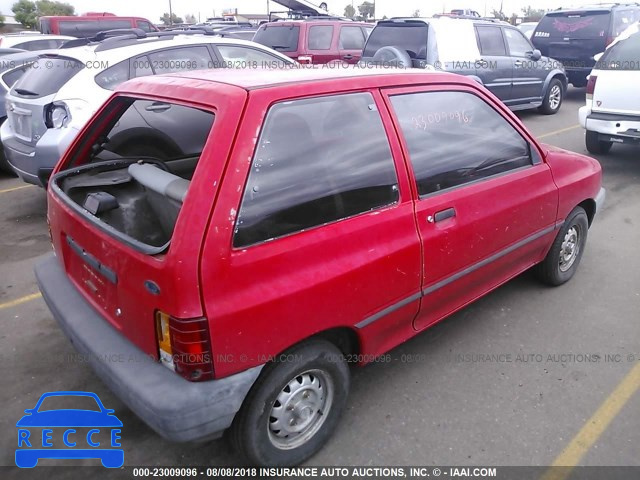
(305, 59)
(591, 86)
(184, 346)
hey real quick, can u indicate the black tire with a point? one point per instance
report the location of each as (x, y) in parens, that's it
(551, 270)
(252, 433)
(595, 145)
(553, 98)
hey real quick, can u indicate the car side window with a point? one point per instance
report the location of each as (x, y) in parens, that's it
(145, 26)
(318, 160)
(113, 76)
(351, 38)
(240, 56)
(519, 46)
(491, 41)
(39, 44)
(455, 138)
(180, 59)
(320, 37)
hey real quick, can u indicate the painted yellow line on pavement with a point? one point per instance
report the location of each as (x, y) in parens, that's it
(20, 301)
(556, 132)
(7, 190)
(595, 426)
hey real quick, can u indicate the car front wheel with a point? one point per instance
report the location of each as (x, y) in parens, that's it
(553, 99)
(563, 258)
(595, 145)
(294, 407)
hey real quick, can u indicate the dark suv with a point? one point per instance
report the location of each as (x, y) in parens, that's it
(575, 35)
(316, 40)
(494, 53)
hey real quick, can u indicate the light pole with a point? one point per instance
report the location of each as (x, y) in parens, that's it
(170, 14)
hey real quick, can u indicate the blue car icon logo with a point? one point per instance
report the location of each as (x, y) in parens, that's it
(63, 433)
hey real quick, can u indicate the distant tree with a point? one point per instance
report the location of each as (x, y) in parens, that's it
(367, 10)
(385, 18)
(189, 18)
(499, 14)
(174, 19)
(48, 7)
(27, 12)
(533, 14)
(416, 13)
(2, 19)
(349, 11)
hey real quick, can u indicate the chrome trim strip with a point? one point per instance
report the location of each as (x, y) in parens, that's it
(443, 283)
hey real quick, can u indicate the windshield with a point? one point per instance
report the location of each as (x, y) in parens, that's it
(409, 36)
(575, 25)
(283, 38)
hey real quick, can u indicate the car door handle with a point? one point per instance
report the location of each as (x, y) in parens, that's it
(158, 107)
(518, 63)
(348, 57)
(442, 215)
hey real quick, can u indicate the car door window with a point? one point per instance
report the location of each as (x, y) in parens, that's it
(142, 67)
(320, 37)
(351, 38)
(39, 44)
(236, 55)
(519, 46)
(318, 160)
(491, 41)
(180, 59)
(113, 76)
(455, 138)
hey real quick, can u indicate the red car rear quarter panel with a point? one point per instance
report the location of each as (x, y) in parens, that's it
(176, 271)
(578, 178)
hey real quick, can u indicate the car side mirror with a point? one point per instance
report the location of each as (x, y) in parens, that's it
(535, 55)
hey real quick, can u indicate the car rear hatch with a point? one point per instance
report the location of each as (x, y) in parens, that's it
(573, 37)
(405, 34)
(282, 37)
(115, 205)
(617, 76)
(29, 99)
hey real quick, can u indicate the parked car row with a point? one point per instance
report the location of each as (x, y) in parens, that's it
(62, 89)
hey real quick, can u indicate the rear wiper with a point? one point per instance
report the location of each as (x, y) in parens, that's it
(279, 47)
(22, 91)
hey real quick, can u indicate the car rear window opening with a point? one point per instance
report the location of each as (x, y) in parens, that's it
(133, 175)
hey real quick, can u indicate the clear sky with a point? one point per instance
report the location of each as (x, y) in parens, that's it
(153, 9)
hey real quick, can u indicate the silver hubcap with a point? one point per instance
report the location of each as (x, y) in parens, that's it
(555, 96)
(300, 409)
(570, 248)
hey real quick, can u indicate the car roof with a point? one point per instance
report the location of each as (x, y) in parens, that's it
(250, 79)
(605, 7)
(144, 45)
(440, 20)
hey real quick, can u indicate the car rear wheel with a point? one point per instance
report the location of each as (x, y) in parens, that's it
(553, 99)
(595, 145)
(563, 258)
(294, 407)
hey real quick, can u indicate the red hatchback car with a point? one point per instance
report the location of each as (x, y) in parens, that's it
(311, 219)
(316, 41)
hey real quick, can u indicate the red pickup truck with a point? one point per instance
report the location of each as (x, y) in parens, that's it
(306, 220)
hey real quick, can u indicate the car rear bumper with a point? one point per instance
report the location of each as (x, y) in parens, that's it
(611, 127)
(177, 409)
(35, 164)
